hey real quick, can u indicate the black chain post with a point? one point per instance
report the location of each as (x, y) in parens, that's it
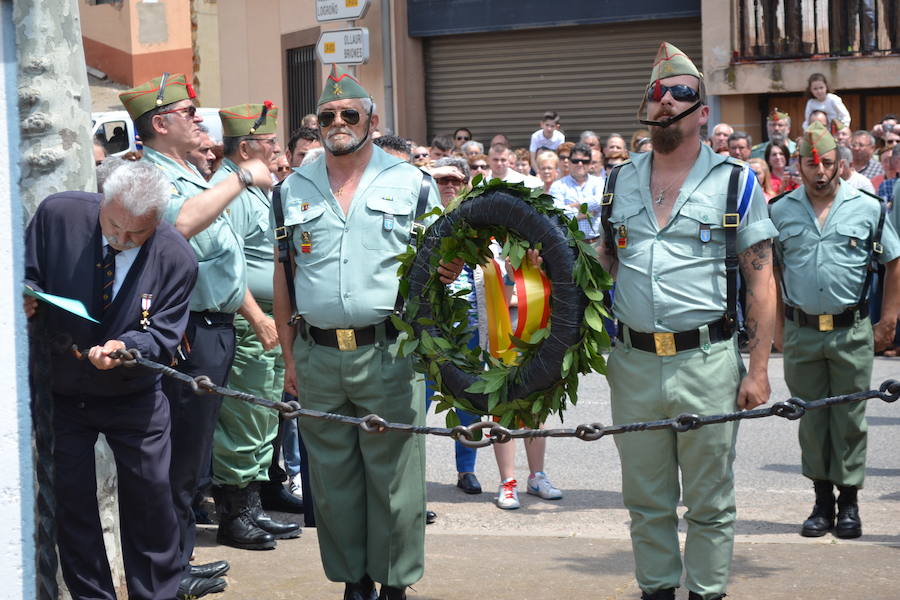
(40, 375)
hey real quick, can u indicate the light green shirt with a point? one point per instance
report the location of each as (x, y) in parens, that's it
(824, 267)
(669, 278)
(249, 215)
(221, 279)
(348, 276)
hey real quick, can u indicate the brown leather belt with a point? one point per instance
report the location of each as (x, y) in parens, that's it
(826, 322)
(669, 344)
(350, 339)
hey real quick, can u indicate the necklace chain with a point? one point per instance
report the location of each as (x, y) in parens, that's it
(661, 194)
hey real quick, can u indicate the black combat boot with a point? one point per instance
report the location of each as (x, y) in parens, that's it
(666, 594)
(364, 589)
(848, 523)
(392, 593)
(280, 530)
(236, 526)
(696, 596)
(821, 520)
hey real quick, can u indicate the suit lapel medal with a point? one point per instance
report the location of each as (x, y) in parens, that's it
(146, 301)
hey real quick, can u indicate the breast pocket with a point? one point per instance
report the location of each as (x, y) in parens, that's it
(309, 236)
(389, 213)
(849, 245)
(698, 231)
(624, 221)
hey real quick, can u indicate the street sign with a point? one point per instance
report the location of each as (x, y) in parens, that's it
(344, 46)
(341, 10)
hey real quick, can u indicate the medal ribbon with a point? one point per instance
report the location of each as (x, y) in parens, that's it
(533, 295)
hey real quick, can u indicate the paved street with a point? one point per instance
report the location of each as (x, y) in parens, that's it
(578, 547)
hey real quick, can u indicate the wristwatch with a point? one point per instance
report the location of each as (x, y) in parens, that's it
(246, 177)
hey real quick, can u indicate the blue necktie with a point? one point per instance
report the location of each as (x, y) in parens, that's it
(109, 276)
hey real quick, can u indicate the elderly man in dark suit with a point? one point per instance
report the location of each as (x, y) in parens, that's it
(134, 274)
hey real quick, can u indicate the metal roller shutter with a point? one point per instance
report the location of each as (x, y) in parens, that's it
(502, 82)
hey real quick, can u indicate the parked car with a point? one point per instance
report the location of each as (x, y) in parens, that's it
(115, 129)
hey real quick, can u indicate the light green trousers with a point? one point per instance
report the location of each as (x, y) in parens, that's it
(818, 364)
(647, 387)
(369, 489)
(242, 441)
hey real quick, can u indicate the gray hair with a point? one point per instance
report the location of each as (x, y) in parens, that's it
(473, 144)
(139, 186)
(844, 154)
(863, 133)
(740, 135)
(312, 155)
(587, 133)
(456, 162)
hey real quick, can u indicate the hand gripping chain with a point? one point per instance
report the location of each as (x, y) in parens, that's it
(791, 409)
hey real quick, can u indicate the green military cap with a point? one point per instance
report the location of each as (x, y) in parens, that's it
(777, 115)
(670, 61)
(247, 119)
(159, 91)
(341, 85)
(837, 125)
(816, 141)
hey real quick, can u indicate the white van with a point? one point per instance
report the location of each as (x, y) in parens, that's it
(115, 129)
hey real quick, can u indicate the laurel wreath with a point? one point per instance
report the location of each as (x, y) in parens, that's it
(449, 316)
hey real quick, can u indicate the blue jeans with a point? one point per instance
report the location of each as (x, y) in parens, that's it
(465, 456)
(292, 449)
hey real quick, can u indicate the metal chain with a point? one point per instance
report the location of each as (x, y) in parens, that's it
(790, 409)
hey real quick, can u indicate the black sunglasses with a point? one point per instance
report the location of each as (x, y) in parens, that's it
(420, 155)
(463, 138)
(580, 161)
(680, 92)
(350, 116)
(563, 157)
(479, 167)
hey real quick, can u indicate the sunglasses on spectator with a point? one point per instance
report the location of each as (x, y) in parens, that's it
(479, 167)
(448, 180)
(463, 138)
(415, 156)
(563, 157)
(680, 92)
(350, 116)
(580, 161)
(186, 111)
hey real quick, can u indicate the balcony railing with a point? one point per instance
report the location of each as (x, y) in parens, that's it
(790, 29)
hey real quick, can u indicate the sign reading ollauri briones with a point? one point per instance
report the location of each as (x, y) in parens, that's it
(344, 46)
(341, 10)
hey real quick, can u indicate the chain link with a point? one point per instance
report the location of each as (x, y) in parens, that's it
(791, 409)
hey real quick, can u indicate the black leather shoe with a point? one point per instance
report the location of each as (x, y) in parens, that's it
(821, 520)
(469, 483)
(430, 517)
(696, 596)
(666, 594)
(236, 526)
(392, 593)
(210, 570)
(201, 517)
(280, 530)
(195, 587)
(275, 497)
(848, 525)
(364, 589)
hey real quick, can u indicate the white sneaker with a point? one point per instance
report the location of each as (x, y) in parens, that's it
(508, 495)
(296, 486)
(539, 485)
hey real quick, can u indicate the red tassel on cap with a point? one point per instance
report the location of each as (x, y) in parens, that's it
(815, 156)
(190, 90)
(657, 91)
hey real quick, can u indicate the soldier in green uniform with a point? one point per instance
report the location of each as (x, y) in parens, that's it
(167, 121)
(668, 228)
(828, 234)
(242, 443)
(778, 127)
(350, 215)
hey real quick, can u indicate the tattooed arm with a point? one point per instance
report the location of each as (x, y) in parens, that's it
(759, 321)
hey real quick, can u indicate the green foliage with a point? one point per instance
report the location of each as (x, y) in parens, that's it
(450, 317)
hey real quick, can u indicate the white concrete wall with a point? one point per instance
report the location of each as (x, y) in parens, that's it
(17, 572)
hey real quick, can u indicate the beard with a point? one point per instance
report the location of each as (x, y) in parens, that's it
(666, 139)
(335, 146)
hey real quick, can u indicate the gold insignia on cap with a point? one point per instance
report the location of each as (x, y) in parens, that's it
(337, 91)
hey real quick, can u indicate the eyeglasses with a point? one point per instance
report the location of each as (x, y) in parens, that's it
(479, 167)
(418, 156)
(350, 116)
(186, 111)
(890, 142)
(580, 161)
(462, 138)
(563, 157)
(447, 181)
(680, 92)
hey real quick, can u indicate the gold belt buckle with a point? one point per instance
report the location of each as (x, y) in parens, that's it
(665, 344)
(826, 322)
(346, 339)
